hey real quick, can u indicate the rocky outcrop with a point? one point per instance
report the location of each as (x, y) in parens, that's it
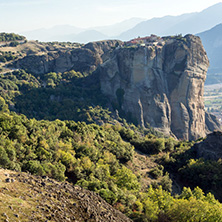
(160, 84)
(157, 83)
(212, 123)
(44, 199)
(211, 147)
(83, 59)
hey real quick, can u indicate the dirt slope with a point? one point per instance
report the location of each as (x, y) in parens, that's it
(24, 197)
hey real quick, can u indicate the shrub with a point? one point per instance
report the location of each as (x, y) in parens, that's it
(108, 195)
(157, 172)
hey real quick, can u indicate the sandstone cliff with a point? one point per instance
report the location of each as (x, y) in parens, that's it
(160, 84)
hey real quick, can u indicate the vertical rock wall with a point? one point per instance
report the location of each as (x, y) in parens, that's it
(162, 84)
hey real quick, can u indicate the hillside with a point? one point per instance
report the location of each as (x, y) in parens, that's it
(58, 122)
(101, 159)
(30, 198)
(122, 79)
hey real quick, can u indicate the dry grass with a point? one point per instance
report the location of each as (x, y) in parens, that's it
(14, 201)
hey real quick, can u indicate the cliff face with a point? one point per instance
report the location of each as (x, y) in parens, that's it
(160, 84)
(83, 59)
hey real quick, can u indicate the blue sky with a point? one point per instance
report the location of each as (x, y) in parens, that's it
(22, 15)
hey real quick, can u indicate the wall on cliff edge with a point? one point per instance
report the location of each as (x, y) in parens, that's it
(160, 84)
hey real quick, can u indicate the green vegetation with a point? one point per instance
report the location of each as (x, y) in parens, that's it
(13, 84)
(6, 37)
(204, 173)
(51, 148)
(93, 157)
(54, 96)
(66, 132)
(7, 56)
(178, 37)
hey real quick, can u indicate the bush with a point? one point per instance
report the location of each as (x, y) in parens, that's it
(108, 196)
(166, 183)
(13, 44)
(4, 160)
(150, 146)
(157, 172)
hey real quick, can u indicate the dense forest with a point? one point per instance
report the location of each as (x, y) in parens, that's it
(69, 135)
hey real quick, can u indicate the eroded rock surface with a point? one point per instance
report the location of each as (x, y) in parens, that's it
(212, 123)
(160, 84)
(83, 59)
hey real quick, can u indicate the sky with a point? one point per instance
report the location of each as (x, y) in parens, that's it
(24, 15)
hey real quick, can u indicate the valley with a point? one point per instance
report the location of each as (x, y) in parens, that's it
(213, 99)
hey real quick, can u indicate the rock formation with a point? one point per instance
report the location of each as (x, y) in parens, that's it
(161, 84)
(211, 147)
(83, 59)
(212, 123)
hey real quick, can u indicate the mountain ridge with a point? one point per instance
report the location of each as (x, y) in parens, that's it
(212, 41)
(190, 23)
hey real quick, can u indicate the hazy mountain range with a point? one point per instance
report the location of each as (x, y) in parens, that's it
(76, 34)
(168, 25)
(212, 41)
(191, 23)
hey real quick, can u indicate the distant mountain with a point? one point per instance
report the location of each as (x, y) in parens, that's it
(183, 24)
(71, 33)
(118, 28)
(52, 34)
(88, 36)
(212, 42)
(158, 26)
(201, 21)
